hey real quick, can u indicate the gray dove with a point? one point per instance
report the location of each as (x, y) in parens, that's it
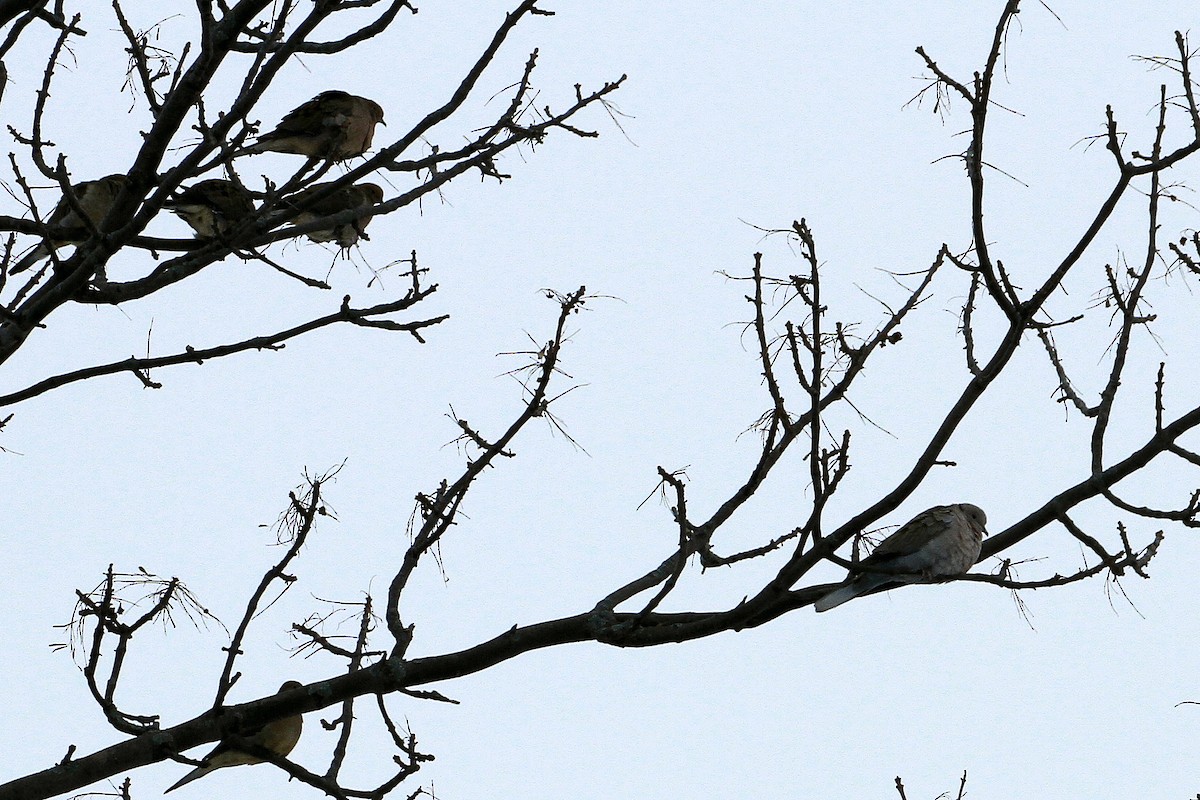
(346, 234)
(213, 207)
(939, 542)
(279, 737)
(334, 125)
(95, 198)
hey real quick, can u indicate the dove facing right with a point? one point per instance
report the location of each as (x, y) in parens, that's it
(95, 199)
(346, 234)
(213, 207)
(334, 125)
(279, 737)
(939, 542)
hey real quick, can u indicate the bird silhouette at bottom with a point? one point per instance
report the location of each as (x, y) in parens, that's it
(940, 542)
(279, 736)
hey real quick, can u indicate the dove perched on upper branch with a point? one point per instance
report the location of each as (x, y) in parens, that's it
(346, 234)
(212, 207)
(334, 125)
(95, 198)
(939, 542)
(279, 737)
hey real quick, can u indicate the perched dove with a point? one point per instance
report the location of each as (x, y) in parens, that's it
(95, 198)
(333, 125)
(939, 542)
(212, 207)
(346, 234)
(279, 737)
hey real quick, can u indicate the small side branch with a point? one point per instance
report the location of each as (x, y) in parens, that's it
(365, 317)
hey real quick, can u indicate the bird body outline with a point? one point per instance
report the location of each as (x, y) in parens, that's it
(334, 125)
(95, 199)
(940, 542)
(346, 234)
(212, 207)
(279, 736)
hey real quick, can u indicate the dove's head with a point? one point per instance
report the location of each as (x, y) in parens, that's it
(289, 685)
(375, 110)
(115, 183)
(371, 193)
(975, 515)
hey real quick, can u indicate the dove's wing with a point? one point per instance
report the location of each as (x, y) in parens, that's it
(912, 535)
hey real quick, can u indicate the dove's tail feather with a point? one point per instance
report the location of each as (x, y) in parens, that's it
(860, 585)
(309, 146)
(263, 145)
(246, 151)
(198, 772)
(35, 255)
(839, 596)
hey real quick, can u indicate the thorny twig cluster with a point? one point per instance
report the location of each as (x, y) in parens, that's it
(100, 626)
(436, 512)
(314, 638)
(99, 616)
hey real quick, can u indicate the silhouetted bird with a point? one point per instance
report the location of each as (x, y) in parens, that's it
(346, 234)
(212, 207)
(95, 198)
(939, 542)
(333, 125)
(279, 737)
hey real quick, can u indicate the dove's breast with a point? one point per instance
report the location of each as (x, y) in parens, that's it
(954, 552)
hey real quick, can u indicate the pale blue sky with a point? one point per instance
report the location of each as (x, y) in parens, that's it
(737, 115)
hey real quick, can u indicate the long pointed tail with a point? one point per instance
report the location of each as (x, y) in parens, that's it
(861, 585)
(838, 596)
(34, 256)
(198, 772)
